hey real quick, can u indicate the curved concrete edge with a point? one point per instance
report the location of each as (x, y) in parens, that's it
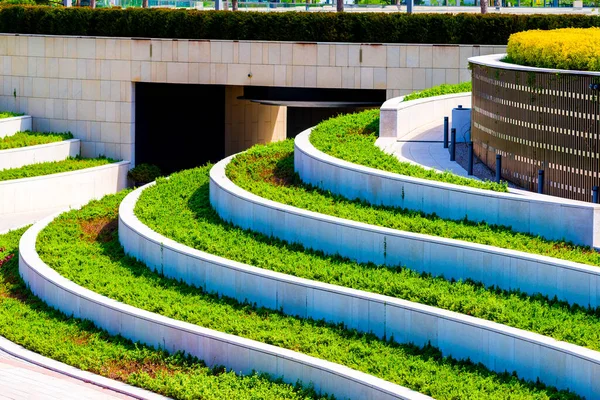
(575, 221)
(498, 347)
(215, 348)
(62, 190)
(12, 125)
(399, 118)
(494, 60)
(56, 151)
(22, 353)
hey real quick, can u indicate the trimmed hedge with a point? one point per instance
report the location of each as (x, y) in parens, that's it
(286, 26)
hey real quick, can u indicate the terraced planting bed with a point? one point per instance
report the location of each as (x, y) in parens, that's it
(83, 246)
(26, 320)
(268, 171)
(24, 139)
(54, 167)
(9, 114)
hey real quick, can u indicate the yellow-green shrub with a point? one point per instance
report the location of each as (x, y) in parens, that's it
(569, 48)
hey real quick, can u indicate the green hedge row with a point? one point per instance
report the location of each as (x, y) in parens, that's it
(287, 26)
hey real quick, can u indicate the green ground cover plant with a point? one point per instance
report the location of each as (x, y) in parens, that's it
(268, 171)
(26, 320)
(464, 28)
(352, 138)
(83, 246)
(53, 167)
(440, 90)
(9, 114)
(23, 139)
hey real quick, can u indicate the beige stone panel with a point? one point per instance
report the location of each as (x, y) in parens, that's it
(193, 73)
(63, 88)
(100, 49)
(226, 52)
(41, 87)
(262, 75)
(379, 78)
(140, 50)
(115, 91)
(323, 54)
(357, 77)
(19, 66)
(86, 110)
(341, 55)
(110, 132)
(81, 69)
(464, 53)
(27, 87)
(95, 131)
(120, 70)
(104, 90)
(244, 53)
(146, 71)
(37, 107)
(418, 82)
(76, 89)
(112, 150)
(393, 56)
(6, 65)
(127, 153)
(485, 50)
(90, 90)
(438, 76)
(354, 55)
(204, 73)
(100, 149)
(49, 113)
(428, 77)
(88, 149)
(215, 51)
(304, 53)
(452, 76)
(100, 111)
(366, 78)
(399, 78)
(310, 76)
(348, 77)
(53, 88)
(329, 77)
(40, 66)
(256, 53)
(113, 50)
(105, 66)
(298, 75)
(36, 46)
(126, 91)
(236, 52)
(84, 130)
(42, 124)
(127, 132)
(183, 51)
(500, 50)
(237, 74)
(90, 67)
(11, 45)
(265, 53)
(21, 45)
(86, 48)
(446, 56)
(332, 55)
(3, 40)
(67, 68)
(221, 74)
(31, 67)
(159, 72)
(426, 56)
(464, 75)
(166, 50)
(177, 72)
(198, 51)
(274, 53)
(136, 71)
(279, 75)
(373, 55)
(57, 124)
(287, 54)
(412, 56)
(156, 50)
(289, 76)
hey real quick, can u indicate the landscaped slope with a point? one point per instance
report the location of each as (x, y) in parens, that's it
(9, 114)
(352, 138)
(23, 139)
(53, 167)
(26, 320)
(83, 246)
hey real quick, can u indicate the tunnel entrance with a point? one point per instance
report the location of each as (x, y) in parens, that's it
(179, 126)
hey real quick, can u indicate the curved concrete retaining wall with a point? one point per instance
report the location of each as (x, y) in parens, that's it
(59, 191)
(454, 259)
(550, 217)
(399, 118)
(497, 346)
(58, 151)
(10, 126)
(215, 348)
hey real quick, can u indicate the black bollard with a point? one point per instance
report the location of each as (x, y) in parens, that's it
(445, 132)
(470, 165)
(595, 195)
(453, 144)
(498, 167)
(541, 181)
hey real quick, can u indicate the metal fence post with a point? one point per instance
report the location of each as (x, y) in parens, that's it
(470, 165)
(498, 167)
(541, 181)
(445, 132)
(595, 195)
(453, 144)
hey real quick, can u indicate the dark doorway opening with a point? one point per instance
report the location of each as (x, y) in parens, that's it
(179, 126)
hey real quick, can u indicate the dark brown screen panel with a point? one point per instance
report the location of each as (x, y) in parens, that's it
(538, 120)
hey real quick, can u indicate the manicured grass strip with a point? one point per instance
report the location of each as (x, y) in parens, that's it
(440, 91)
(179, 208)
(83, 246)
(26, 320)
(53, 167)
(9, 114)
(23, 139)
(268, 171)
(352, 138)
